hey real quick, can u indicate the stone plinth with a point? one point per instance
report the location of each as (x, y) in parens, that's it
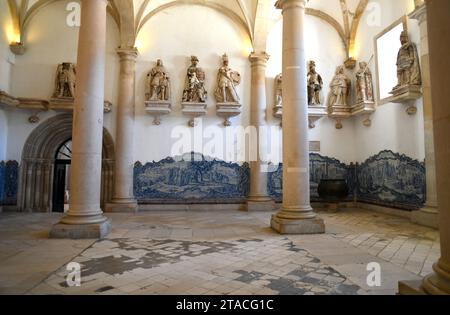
(406, 94)
(364, 108)
(303, 226)
(158, 109)
(228, 110)
(84, 231)
(122, 206)
(315, 113)
(194, 110)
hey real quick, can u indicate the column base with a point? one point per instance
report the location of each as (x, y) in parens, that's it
(428, 216)
(77, 231)
(410, 288)
(300, 227)
(260, 204)
(122, 206)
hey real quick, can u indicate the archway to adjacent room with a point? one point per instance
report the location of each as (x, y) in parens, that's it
(45, 168)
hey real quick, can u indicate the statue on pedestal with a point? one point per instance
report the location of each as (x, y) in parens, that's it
(195, 91)
(278, 91)
(65, 81)
(408, 67)
(339, 89)
(315, 84)
(158, 84)
(227, 80)
(364, 84)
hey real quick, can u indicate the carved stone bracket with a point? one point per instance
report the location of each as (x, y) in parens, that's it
(194, 110)
(158, 109)
(407, 95)
(228, 110)
(315, 113)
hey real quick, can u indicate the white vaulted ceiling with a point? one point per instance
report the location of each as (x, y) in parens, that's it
(253, 17)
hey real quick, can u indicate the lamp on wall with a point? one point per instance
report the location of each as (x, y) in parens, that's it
(17, 48)
(350, 63)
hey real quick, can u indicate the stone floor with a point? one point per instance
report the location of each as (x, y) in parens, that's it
(215, 253)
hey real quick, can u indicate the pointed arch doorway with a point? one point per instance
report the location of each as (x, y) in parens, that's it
(44, 180)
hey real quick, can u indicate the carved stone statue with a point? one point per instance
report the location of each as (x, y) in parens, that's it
(65, 81)
(315, 84)
(364, 84)
(408, 67)
(195, 91)
(158, 83)
(339, 88)
(279, 91)
(227, 80)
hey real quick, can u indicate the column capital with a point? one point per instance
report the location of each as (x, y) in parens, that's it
(258, 58)
(420, 13)
(128, 53)
(283, 4)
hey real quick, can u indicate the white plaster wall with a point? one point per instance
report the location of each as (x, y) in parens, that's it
(324, 46)
(6, 37)
(51, 41)
(173, 35)
(392, 128)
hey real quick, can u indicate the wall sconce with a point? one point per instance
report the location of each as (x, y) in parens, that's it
(17, 48)
(350, 63)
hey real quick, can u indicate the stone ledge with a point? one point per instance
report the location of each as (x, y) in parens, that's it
(88, 231)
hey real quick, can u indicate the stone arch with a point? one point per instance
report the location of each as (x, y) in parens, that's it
(38, 159)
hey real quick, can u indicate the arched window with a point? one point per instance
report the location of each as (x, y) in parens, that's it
(64, 152)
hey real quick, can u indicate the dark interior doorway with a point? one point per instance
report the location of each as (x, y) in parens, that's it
(61, 177)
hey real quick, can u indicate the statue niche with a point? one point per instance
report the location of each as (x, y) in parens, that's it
(338, 97)
(63, 97)
(409, 86)
(315, 84)
(194, 94)
(65, 81)
(158, 92)
(226, 95)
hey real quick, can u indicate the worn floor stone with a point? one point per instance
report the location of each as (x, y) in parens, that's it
(215, 253)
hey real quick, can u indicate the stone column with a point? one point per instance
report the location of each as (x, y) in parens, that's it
(427, 216)
(259, 199)
(296, 215)
(439, 45)
(123, 197)
(85, 218)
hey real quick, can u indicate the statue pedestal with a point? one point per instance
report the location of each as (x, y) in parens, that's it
(158, 109)
(339, 112)
(364, 108)
(228, 110)
(316, 112)
(194, 110)
(406, 93)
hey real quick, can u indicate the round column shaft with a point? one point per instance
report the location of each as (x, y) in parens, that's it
(259, 199)
(85, 218)
(296, 215)
(123, 197)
